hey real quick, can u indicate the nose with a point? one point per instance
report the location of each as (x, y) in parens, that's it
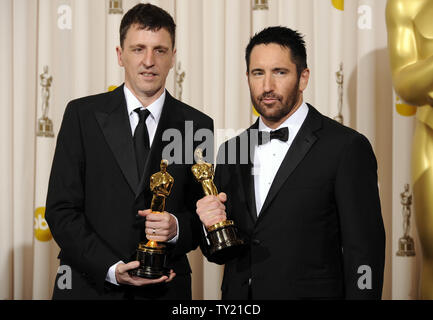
(149, 59)
(268, 83)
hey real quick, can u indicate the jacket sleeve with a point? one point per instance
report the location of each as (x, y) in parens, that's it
(190, 227)
(65, 206)
(361, 225)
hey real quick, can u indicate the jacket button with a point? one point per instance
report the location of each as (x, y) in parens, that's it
(256, 242)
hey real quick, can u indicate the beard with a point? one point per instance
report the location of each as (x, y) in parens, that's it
(280, 108)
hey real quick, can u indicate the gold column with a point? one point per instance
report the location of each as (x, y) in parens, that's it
(410, 46)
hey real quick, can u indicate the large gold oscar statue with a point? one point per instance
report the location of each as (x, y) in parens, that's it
(223, 237)
(410, 43)
(151, 254)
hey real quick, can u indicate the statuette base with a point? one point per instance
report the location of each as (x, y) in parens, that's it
(225, 244)
(152, 262)
(45, 128)
(406, 247)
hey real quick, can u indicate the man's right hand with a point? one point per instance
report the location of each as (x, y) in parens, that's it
(123, 276)
(211, 209)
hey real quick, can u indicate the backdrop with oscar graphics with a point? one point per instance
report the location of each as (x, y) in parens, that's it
(58, 50)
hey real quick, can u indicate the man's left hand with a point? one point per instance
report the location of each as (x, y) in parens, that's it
(160, 227)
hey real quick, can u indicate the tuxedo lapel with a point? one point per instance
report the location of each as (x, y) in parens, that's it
(247, 185)
(170, 118)
(245, 169)
(114, 122)
(304, 140)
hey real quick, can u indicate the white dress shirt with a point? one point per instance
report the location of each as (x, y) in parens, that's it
(269, 156)
(155, 109)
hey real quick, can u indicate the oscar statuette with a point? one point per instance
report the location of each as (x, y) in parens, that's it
(45, 124)
(222, 236)
(151, 254)
(406, 245)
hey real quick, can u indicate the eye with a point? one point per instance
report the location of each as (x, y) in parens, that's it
(257, 73)
(280, 72)
(137, 50)
(160, 51)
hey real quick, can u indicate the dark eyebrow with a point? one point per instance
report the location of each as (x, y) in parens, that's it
(161, 47)
(144, 46)
(132, 46)
(256, 69)
(281, 69)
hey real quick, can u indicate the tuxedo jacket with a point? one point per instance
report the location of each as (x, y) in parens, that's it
(319, 234)
(95, 193)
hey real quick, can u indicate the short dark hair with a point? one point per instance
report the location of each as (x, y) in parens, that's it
(285, 37)
(147, 16)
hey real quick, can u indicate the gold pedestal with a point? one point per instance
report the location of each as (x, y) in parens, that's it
(152, 257)
(406, 247)
(223, 239)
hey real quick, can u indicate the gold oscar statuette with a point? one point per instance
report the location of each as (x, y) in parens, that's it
(222, 236)
(151, 254)
(410, 47)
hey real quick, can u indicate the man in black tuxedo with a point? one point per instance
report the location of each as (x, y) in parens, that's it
(108, 147)
(301, 188)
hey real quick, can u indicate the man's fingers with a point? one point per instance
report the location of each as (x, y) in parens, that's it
(171, 276)
(122, 268)
(137, 281)
(164, 224)
(157, 238)
(144, 213)
(157, 224)
(163, 216)
(213, 218)
(214, 213)
(212, 206)
(207, 199)
(215, 205)
(123, 276)
(222, 197)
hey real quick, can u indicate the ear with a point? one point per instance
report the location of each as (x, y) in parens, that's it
(119, 56)
(173, 58)
(248, 79)
(303, 80)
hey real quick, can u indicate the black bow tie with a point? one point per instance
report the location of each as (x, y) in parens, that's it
(280, 134)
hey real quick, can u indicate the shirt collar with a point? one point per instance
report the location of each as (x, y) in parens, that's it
(155, 108)
(294, 122)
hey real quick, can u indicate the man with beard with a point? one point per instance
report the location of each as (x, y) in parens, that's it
(304, 197)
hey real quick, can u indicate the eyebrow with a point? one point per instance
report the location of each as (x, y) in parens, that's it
(144, 46)
(256, 69)
(274, 69)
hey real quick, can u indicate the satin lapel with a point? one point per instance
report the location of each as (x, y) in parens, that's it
(170, 118)
(114, 123)
(245, 170)
(304, 140)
